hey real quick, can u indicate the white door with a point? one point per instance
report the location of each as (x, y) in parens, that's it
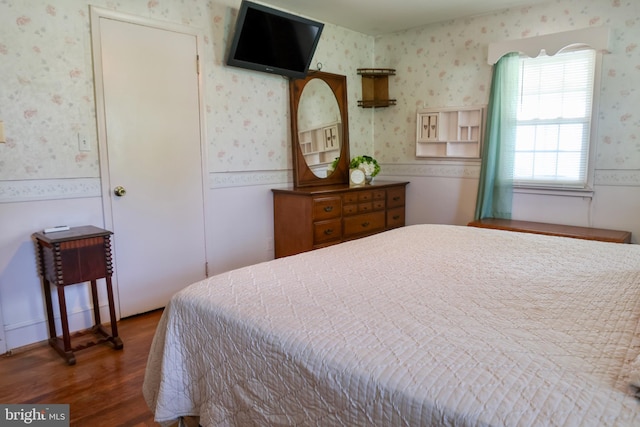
(150, 120)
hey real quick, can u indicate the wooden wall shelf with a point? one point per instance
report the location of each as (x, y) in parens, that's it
(375, 87)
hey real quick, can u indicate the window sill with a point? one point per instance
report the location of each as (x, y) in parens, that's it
(546, 191)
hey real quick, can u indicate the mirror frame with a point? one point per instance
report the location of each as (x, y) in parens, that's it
(303, 176)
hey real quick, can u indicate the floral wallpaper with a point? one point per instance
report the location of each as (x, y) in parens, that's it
(47, 93)
(446, 65)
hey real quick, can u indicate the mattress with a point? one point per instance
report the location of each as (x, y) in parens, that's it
(424, 325)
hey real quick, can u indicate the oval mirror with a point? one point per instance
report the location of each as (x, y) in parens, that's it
(319, 127)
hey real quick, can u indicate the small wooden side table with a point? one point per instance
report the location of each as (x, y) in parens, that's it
(80, 254)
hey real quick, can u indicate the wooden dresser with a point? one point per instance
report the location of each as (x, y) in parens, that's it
(313, 217)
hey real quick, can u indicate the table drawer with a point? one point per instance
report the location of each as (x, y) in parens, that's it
(395, 197)
(325, 231)
(395, 217)
(363, 224)
(81, 260)
(327, 207)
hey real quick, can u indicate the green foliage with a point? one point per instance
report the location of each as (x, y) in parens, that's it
(334, 164)
(368, 164)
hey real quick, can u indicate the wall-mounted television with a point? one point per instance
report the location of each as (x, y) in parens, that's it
(273, 41)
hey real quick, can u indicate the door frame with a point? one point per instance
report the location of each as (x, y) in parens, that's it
(3, 339)
(97, 13)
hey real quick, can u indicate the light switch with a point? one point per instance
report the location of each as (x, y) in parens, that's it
(2, 138)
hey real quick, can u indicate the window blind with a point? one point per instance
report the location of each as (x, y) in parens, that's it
(554, 119)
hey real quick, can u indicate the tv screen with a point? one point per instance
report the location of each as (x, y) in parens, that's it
(273, 41)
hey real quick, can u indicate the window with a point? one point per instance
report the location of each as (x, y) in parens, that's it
(554, 119)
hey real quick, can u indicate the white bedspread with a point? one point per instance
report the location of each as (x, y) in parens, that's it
(420, 326)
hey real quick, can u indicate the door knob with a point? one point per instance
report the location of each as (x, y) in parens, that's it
(119, 191)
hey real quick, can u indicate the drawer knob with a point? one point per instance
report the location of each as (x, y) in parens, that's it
(365, 224)
(396, 217)
(395, 199)
(328, 231)
(328, 208)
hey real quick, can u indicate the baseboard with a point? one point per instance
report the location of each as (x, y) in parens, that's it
(20, 336)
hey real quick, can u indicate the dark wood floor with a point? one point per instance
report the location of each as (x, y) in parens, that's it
(104, 388)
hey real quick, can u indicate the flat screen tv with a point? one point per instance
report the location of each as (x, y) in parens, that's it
(273, 41)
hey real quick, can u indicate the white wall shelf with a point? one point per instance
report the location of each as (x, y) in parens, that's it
(454, 132)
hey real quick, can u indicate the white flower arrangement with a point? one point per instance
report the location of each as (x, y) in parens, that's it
(366, 164)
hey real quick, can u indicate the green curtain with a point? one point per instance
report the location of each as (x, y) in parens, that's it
(495, 189)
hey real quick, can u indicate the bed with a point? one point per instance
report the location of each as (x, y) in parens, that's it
(424, 325)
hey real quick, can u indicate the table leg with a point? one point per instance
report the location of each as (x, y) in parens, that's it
(66, 352)
(117, 342)
(46, 286)
(96, 306)
(63, 318)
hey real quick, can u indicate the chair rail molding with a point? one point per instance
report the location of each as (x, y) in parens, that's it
(249, 178)
(28, 190)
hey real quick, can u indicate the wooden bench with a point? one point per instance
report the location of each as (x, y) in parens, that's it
(586, 233)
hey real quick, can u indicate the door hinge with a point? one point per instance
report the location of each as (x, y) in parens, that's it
(206, 269)
(198, 64)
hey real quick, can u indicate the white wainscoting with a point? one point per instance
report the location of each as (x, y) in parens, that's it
(240, 223)
(21, 293)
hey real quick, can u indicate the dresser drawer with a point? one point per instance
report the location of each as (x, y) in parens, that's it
(395, 217)
(351, 197)
(378, 205)
(395, 197)
(379, 195)
(325, 231)
(364, 223)
(365, 207)
(365, 196)
(327, 207)
(349, 209)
